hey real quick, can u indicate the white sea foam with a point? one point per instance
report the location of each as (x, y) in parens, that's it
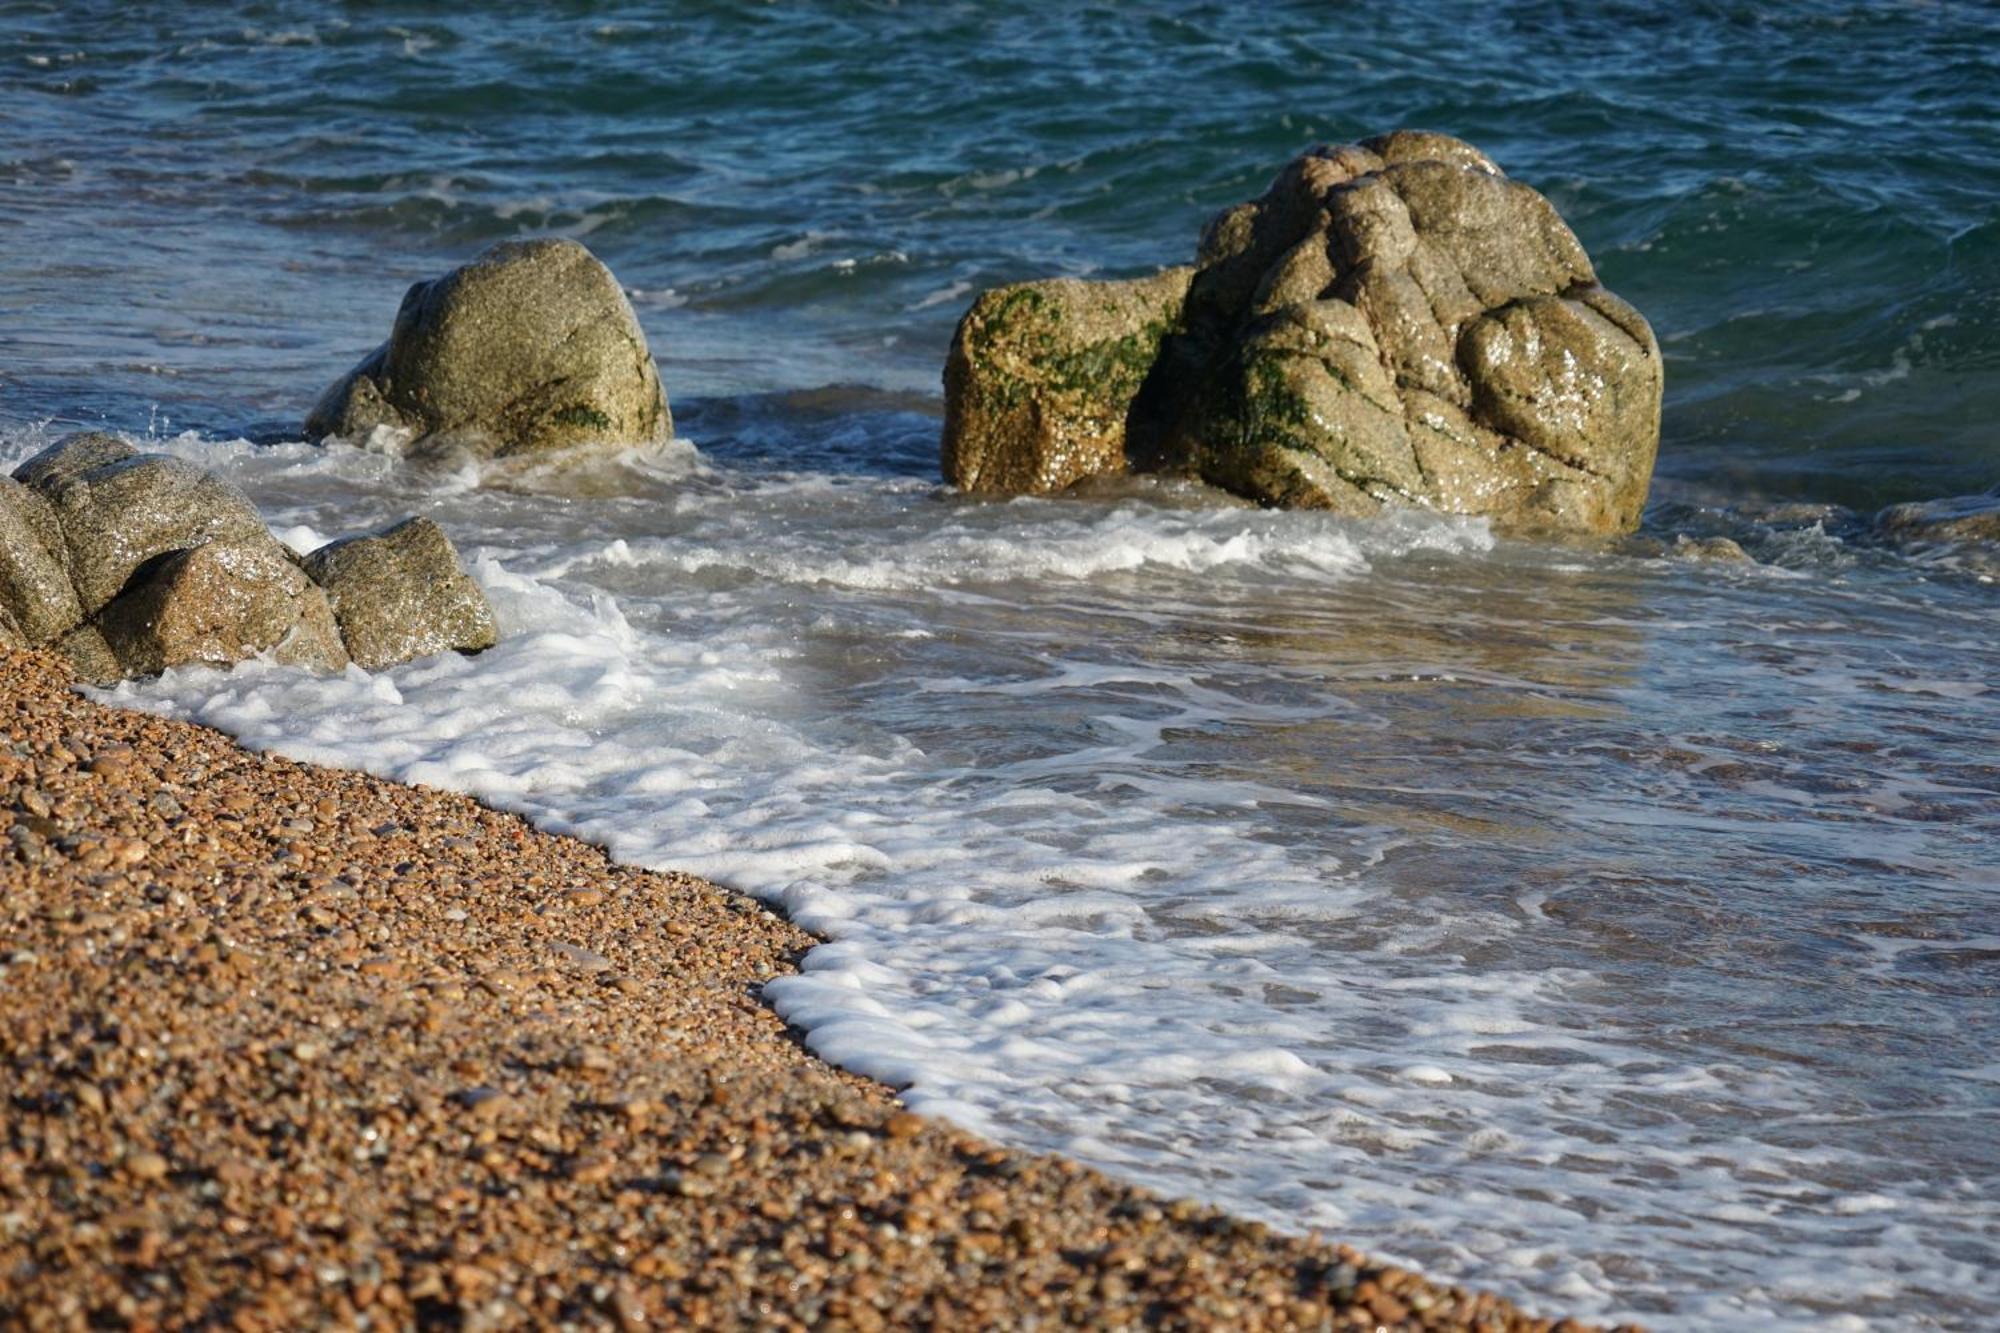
(1359, 877)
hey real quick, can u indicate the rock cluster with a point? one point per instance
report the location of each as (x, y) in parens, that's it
(1392, 322)
(128, 563)
(530, 349)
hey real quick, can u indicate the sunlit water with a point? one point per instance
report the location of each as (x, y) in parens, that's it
(1617, 932)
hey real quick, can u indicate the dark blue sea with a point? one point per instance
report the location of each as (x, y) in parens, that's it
(1617, 931)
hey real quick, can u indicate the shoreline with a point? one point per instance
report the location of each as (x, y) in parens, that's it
(292, 1045)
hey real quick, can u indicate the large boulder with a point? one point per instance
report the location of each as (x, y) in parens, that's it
(1397, 322)
(36, 597)
(1042, 377)
(530, 349)
(218, 603)
(400, 594)
(118, 514)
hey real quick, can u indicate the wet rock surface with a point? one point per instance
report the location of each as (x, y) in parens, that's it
(401, 593)
(119, 514)
(530, 349)
(1042, 376)
(48, 470)
(36, 596)
(1961, 518)
(129, 563)
(287, 1047)
(219, 603)
(1396, 322)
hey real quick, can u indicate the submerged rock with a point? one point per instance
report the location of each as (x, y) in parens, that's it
(1042, 376)
(401, 593)
(119, 514)
(531, 348)
(36, 597)
(219, 603)
(1392, 322)
(1961, 518)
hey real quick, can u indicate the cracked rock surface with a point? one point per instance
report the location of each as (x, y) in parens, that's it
(1397, 322)
(530, 349)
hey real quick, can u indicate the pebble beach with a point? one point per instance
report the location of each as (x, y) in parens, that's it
(291, 1047)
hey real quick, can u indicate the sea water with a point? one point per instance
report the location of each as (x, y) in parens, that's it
(1613, 930)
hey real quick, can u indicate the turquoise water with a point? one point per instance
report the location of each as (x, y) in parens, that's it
(1618, 932)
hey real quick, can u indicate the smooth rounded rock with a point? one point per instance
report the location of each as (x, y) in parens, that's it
(531, 349)
(120, 514)
(69, 456)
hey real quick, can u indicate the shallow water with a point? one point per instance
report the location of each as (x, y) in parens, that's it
(1620, 933)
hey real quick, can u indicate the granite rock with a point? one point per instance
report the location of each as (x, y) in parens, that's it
(401, 593)
(35, 591)
(1393, 322)
(530, 349)
(219, 603)
(120, 514)
(1043, 376)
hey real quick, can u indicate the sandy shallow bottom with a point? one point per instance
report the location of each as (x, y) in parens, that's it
(288, 1047)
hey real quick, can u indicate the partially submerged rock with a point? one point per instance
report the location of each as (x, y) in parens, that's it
(1392, 322)
(530, 349)
(1962, 518)
(36, 597)
(401, 593)
(1042, 377)
(219, 603)
(129, 563)
(1698, 550)
(1712, 550)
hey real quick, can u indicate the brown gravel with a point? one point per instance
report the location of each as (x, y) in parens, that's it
(287, 1047)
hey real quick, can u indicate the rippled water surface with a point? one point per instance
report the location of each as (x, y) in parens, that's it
(1617, 931)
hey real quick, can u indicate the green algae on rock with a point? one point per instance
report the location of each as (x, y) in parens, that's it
(1393, 322)
(1042, 377)
(530, 349)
